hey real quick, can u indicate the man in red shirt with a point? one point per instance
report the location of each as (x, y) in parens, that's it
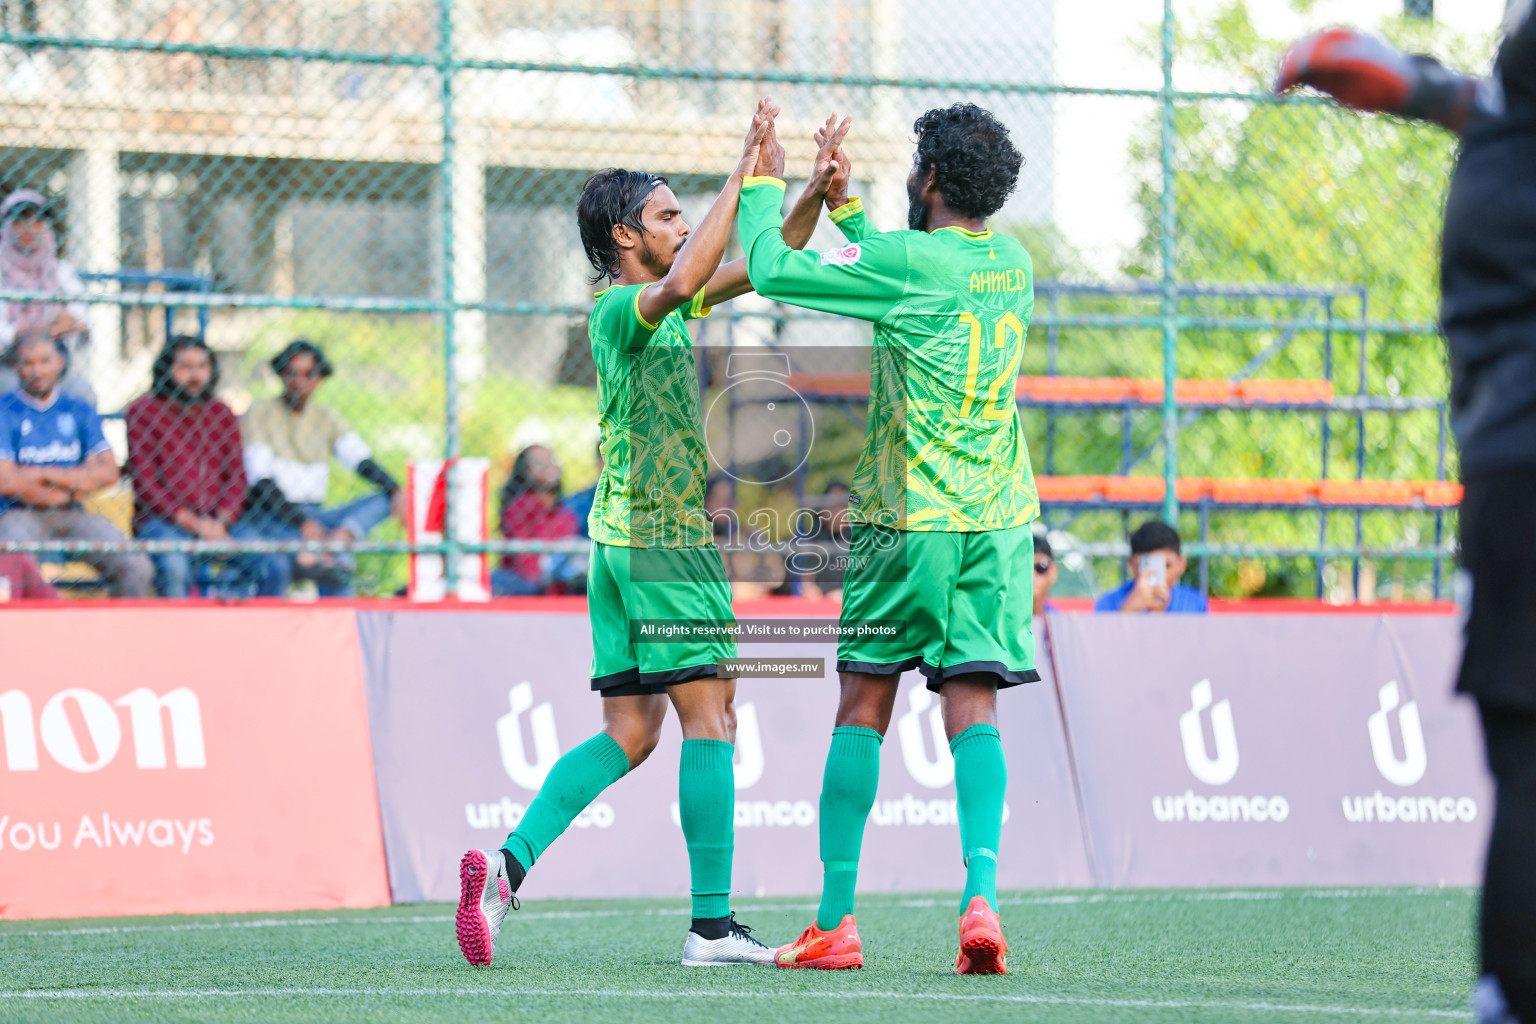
(185, 458)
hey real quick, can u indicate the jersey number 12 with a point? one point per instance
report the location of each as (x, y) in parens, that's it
(996, 406)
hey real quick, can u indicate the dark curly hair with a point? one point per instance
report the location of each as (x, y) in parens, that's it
(302, 347)
(164, 385)
(975, 164)
(611, 197)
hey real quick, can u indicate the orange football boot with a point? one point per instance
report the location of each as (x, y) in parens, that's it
(835, 950)
(982, 945)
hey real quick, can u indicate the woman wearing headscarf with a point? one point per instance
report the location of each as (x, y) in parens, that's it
(29, 259)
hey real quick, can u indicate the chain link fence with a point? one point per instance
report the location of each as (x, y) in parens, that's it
(394, 181)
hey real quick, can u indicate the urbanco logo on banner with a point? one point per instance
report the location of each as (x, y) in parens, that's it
(937, 771)
(1407, 770)
(1410, 768)
(747, 762)
(528, 772)
(1214, 768)
(747, 768)
(920, 728)
(1213, 771)
(509, 736)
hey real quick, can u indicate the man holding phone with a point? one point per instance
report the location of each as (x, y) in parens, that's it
(1045, 573)
(1156, 565)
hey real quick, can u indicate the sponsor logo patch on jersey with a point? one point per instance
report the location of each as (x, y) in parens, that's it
(847, 256)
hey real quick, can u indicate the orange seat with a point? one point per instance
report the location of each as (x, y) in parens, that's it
(1134, 488)
(1193, 488)
(1151, 489)
(1149, 391)
(1187, 392)
(842, 385)
(1441, 493)
(1263, 492)
(1069, 488)
(1368, 492)
(1203, 392)
(1075, 389)
(1290, 392)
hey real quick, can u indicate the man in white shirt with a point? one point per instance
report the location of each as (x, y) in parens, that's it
(289, 443)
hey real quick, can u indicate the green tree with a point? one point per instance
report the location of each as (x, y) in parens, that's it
(1304, 194)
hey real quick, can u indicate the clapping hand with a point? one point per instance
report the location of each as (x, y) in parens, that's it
(757, 135)
(770, 157)
(832, 170)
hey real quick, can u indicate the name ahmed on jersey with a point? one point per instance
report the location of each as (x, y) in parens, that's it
(1014, 280)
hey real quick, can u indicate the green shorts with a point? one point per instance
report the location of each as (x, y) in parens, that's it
(627, 585)
(966, 600)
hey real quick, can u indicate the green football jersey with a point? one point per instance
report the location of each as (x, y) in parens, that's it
(943, 449)
(651, 490)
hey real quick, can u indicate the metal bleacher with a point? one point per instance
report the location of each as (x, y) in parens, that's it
(1064, 497)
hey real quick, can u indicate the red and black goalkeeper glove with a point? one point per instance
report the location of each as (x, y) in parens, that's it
(1363, 72)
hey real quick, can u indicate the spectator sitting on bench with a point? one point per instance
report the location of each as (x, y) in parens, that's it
(52, 454)
(185, 458)
(289, 442)
(1155, 566)
(29, 259)
(531, 510)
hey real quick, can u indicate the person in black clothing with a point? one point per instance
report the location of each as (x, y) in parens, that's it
(1488, 312)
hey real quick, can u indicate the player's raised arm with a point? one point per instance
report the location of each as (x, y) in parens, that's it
(846, 212)
(731, 279)
(863, 280)
(1363, 72)
(700, 255)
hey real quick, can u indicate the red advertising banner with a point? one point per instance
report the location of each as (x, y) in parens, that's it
(185, 760)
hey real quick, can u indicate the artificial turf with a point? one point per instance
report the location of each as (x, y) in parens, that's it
(1229, 956)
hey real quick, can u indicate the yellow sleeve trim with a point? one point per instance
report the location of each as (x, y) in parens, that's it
(777, 183)
(699, 310)
(848, 209)
(644, 323)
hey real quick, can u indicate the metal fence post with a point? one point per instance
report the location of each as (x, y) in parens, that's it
(447, 64)
(1170, 308)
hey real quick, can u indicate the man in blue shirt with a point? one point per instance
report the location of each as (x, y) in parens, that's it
(1156, 566)
(52, 454)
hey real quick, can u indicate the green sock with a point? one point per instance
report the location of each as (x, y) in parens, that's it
(981, 778)
(847, 793)
(573, 783)
(706, 799)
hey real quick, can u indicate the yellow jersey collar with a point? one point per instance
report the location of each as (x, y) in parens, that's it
(973, 235)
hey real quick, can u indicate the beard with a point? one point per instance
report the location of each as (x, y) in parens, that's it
(917, 212)
(656, 262)
(186, 396)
